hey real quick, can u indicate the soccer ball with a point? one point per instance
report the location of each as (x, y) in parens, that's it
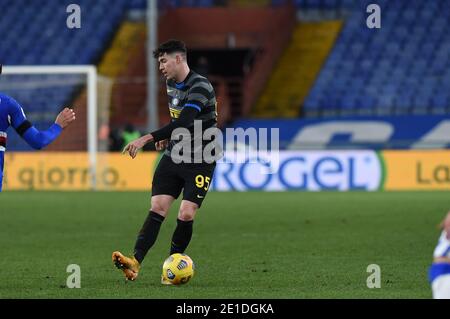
(177, 269)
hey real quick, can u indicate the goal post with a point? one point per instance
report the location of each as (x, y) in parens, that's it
(90, 71)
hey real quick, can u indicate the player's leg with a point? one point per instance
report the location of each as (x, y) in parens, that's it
(149, 231)
(166, 187)
(183, 232)
(160, 205)
(197, 181)
(441, 287)
(1, 171)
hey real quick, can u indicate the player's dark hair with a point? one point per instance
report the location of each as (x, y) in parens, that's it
(1, 67)
(169, 47)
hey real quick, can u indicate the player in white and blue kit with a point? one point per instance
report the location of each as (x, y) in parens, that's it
(439, 273)
(12, 114)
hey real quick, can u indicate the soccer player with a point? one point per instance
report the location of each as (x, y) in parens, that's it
(191, 98)
(439, 273)
(12, 114)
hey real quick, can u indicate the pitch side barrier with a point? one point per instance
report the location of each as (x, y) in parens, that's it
(324, 170)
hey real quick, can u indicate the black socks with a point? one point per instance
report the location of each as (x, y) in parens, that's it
(181, 237)
(147, 235)
(149, 232)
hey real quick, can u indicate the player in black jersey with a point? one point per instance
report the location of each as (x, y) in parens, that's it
(183, 167)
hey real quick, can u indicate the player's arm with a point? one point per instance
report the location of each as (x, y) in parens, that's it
(197, 99)
(35, 138)
(161, 145)
(186, 119)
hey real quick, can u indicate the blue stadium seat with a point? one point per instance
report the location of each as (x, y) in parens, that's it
(404, 64)
(440, 103)
(44, 39)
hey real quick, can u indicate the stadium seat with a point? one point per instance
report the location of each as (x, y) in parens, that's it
(53, 44)
(402, 54)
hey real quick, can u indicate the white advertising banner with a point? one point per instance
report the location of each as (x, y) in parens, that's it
(299, 170)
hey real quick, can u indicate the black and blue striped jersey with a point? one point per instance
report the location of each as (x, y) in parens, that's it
(194, 92)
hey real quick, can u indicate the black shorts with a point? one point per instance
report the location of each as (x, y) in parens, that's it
(194, 179)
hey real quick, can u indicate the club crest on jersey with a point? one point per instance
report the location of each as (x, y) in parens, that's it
(175, 102)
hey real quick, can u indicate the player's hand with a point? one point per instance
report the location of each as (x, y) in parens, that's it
(161, 145)
(133, 147)
(65, 117)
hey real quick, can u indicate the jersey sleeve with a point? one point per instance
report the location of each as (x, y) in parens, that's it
(35, 138)
(16, 115)
(199, 95)
(185, 120)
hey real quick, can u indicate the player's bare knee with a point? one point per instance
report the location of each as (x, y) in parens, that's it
(160, 207)
(161, 204)
(187, 213)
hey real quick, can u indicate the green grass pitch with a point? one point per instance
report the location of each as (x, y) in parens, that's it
(245, 245)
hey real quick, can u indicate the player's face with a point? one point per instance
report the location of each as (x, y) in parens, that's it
(168, 65)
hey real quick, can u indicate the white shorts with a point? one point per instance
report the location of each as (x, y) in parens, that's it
(441, 287)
